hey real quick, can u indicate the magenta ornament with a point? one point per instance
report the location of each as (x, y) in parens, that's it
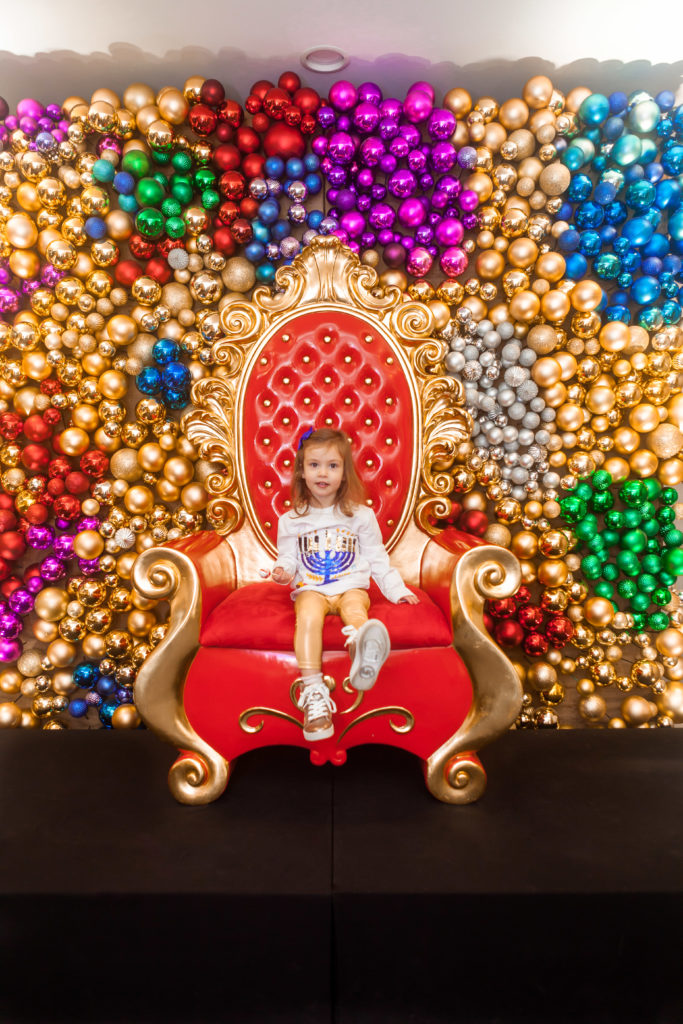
(343, 95)
(412, 213)
(453, 261)
(10, 650)
(419, 262)
(417, 106)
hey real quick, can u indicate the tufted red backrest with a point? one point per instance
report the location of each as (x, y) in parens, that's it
(329, 367)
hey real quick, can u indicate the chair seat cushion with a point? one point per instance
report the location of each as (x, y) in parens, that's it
(260, 616)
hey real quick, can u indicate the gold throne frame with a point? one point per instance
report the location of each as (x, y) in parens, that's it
(328, 276)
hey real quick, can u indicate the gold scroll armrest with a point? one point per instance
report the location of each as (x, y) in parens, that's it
(485, 572)
(201, 774)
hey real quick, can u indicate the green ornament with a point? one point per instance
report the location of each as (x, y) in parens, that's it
(175, 227)
(614, 520)
(632, 518)
(639, 621)
(204, 178)
(650, 528)
(591, 567)
(150, 223)
(672, 561)
(162, 156)
(610, 537)
(627, 589)
(653, 546)
(136, 163)
(181, 189)
(653, 487)
(667, 579)
(658, 621)
(651, 563)
(584, 491)
(634, 540)
(149, 192)
(640, 602)
(171, 207)
(181, 161)
(633, 492)
(628, 563)
(602, 501)
(661, 596)
(604, 589)
(601, 480)
(672, 537)
(610, 571)
(666, 516)
(668, 496)
(646, 582)
(573, 508)
(210, 198)
(586, 528)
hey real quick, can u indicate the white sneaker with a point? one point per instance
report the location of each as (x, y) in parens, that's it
(372, 650)
(318, 708)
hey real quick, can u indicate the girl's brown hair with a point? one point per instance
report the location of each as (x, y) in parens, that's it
(351, 491)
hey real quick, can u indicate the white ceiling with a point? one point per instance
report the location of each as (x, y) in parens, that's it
(54, 48)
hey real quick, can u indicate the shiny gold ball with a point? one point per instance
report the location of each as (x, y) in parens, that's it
(10, 715)
(51, 604)
(88, 544)
(126, 716)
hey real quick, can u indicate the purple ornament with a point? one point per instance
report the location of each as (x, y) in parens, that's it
(371, 151)
(417, 161)
(341, 148)
(366, 118)
(386, 237)
(364, 179)
(410, 134)
(382, 217)
(319, 145)
(341, 235)
(21, 601)
(424, 235)
(370, 92)
(10, 650)
(426, 182)
(30, 108)
(399, 148)
(368, 240)
(470, 221)
(343, 95)
(353, 223)
(34, 584)
(416, 108)
(402, 183)
(343, 123)
(468, 200)
(450, 186)
(345, 200)
(467, 158)
(10, 626)
(394, 254)
(387, 129)
(391, 109)
(378, 192)
(443, 157)
(326, 118)
(423, 87)
(88, 566)
(337, 175)
(40, 537)
(52, 569)
(412, 213)
(388, 163)
(449, 232)
(453, 261)
(441, 124)
(363, 203)
(419, 262)
(64, 546)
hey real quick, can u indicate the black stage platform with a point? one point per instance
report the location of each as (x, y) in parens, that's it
(349, 895)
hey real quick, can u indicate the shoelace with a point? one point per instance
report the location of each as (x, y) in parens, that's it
(316, 701)
(350, 634)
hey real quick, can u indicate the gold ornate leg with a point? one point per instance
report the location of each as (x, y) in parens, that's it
(453, 773)
(200, 774)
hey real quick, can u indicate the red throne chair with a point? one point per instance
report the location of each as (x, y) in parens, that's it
(327, 347)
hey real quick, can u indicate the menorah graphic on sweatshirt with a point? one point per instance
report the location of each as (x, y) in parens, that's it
(327, 554)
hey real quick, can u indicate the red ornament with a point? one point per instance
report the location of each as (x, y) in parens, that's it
(224, 132)
(523, 595)
(241, 231)
(231, 185)
(67, 507)
(223, 241)
(165, 246)
(76, 483)
(94, 463)
(249, 207)
(292, 116)
(6, 502)
(226, 157)
(252, 165)
(504, 608)
(559, 630)
(202, 119)
(231, 113)
(284, 141)
(12, 545)
(4, 569)
(289, 80)
(253, 104)
(10, 585)
(535, 645)
(247, 139)
(50, 387)
(531, 617)
(36, 429)
(228, 212)
(474, 521)
(141, 247)
(55, 487)
(59, 467)
(508, 633)
(35, 457)
(260, 123)
(8, 520)
(307, 100)
(212, 92)
(275, 102)
(37, 513)
(260, 88)
(158, 269)
(11, 425)
(308, 124)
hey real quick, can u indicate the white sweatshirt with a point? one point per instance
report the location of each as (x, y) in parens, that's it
(331, 553)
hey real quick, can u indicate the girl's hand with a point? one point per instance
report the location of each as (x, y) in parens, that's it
(409, 599)
(280, 576)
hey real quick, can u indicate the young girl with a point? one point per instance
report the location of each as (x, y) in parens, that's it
(329, 545)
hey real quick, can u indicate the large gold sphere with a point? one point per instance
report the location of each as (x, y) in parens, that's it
(126, 716)
(10, 715)
(51, 604)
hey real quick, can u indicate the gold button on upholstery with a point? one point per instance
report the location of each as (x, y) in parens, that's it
(327, 380)
(287, 462)
(388, 483)
(287, 503)
(267, 402)
(266, 440)
(347, 359)
(263, 361)
(368, 423)
(389, 401)
(367, 338)
(268, 484)
(327, 339)
(368, 380)
(347, 401)
(369, 462)
(390, 360)
(328, 421)
(286, 380)
(390, 522)
(307, 401)
(285, 337)
(267, 525)
(388, 440)
(286, 420)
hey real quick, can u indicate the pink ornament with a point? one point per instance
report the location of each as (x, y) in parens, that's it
(453, 261)
(412, 213)
(449, 232)
(343, 95)
(419, 262)
(417, 106)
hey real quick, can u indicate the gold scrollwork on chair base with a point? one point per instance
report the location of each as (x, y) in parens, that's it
(347, 688)
(456, 780)
(403, 727)
(274, 712)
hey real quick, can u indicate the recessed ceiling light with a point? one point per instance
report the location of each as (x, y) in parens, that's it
(324, 58)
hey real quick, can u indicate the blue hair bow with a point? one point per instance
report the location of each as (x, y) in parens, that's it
(304, 437)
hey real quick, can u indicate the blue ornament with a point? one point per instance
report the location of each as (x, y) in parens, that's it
(77, 707)
(148, 381)
(106, 685)
(124, 183)
(86, 675)
(95, 228)
(269, 211)
(176, 399)
(165, 351)
(265, 273)
(254, 251)
(176, 377)
(274, 167)
(107, 709)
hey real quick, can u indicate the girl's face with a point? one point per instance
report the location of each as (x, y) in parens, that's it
(323, 473)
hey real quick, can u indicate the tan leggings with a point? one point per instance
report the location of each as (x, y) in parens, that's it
(311, 608)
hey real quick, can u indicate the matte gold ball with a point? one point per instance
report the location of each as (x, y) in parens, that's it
(239, 274)
(88, 544)
(10, 681)
(74, 441)
(51, 603)
(61, 653)
(10, 715)
(598, 611)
